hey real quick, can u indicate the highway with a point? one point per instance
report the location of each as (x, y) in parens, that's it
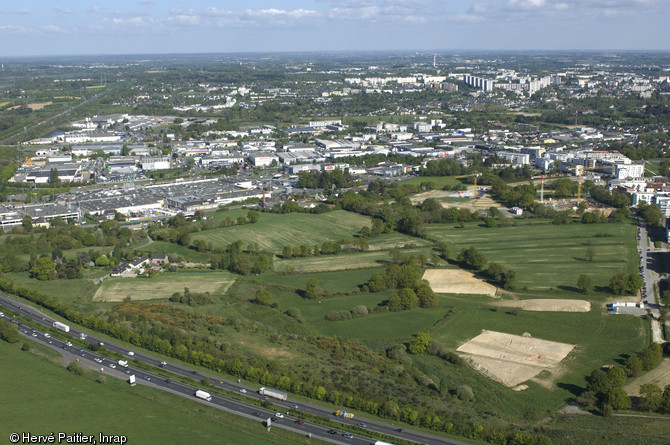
(88, 358)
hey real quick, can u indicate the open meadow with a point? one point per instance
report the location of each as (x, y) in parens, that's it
(59, 400)
(325, 263)
(545, 255)
(273, 231)
(163, 285)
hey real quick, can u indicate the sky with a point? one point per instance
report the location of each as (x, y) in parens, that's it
(93, 27)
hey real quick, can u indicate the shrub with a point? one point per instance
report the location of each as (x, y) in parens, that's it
(465, 393)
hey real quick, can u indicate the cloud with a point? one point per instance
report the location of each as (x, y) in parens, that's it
(95, 8)
(13, 29)
(53, 29)
(20, 12)
(60, 10)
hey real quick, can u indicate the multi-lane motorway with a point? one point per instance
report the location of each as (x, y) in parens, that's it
(95, 361)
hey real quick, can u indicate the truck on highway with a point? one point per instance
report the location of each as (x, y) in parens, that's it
(343, 413)
(123, 363)
(61, 326)
(273, 393)
(203, 395)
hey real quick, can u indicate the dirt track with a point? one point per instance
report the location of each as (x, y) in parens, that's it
(548, 305)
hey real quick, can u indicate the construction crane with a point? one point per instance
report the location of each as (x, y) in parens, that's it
(476, 175)
(612, 168)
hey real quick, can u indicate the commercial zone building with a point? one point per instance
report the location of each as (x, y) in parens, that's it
(40, 214)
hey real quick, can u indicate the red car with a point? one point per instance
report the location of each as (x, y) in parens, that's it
(300, 422)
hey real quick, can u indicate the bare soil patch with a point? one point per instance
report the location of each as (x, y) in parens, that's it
(457, 281)
(35, 106)
(548, 305)
(512, 359)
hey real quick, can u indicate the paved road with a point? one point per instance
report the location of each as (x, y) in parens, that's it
(87, 357)
(651, 277)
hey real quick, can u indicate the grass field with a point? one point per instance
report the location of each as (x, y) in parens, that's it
(326, 263)
(395, 239)
(70, 291)
(273, 231)
(438, 181)
(163, 285)
(600, 339)
(546, 255)
(335, 281)
(51, 399)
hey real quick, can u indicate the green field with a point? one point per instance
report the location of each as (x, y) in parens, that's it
(163, 285)
(335, 281)
(548, 256)
(70, 291)
(273, 231)
(47, 398)
(326, 263)
(438, 181)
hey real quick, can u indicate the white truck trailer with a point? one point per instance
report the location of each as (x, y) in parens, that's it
(273, 393)
(203, 395)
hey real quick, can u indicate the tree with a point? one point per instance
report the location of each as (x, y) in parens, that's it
(253, 216)
(590, 253)
(261, 264)
(44, 269)
(471, 259)
(598, 382)
(619, 283)
(652, 214)
(419, 343)
(664, 406)
(312, 288)
(585, 283)
(262, 296)
(650, 397)
(427, 297)
(408, 299)
(102, 261)
(465, 393)
(27, 223)
(633, 366)
(635, 283)
(53, 176)
(618, 399)
(287, 252)
(617, 376)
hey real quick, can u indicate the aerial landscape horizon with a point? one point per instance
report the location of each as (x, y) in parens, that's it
(302, 223)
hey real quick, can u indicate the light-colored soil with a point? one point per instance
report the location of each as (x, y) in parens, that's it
(457, 281)
(116, 289)
(548, 305)
(35, 106)
(659, 376)
(512, 359)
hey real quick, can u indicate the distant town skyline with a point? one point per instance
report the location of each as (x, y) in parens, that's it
(68, 27)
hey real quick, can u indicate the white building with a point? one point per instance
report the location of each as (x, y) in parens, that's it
(262, 159)
(629, 171)
(152, 164)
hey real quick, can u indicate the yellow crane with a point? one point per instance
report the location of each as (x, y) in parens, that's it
(476, 175)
